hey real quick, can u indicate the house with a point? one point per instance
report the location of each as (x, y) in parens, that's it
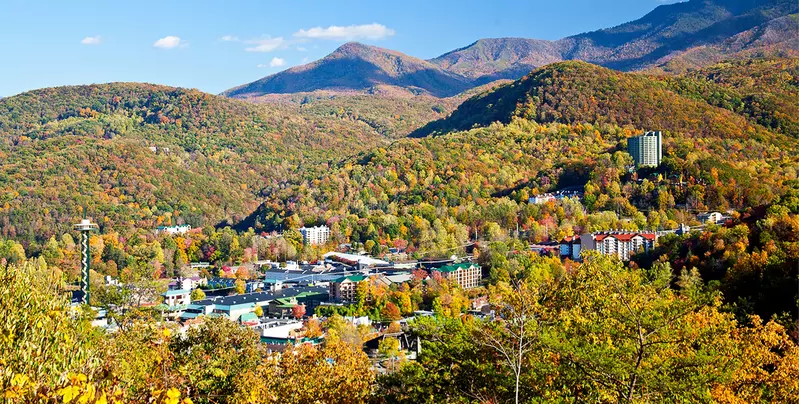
(622, 244)
(177, 297)
(191, 283)
(345, 288)
(316, 235)
(570, 247)
(467, 274)
(710, 217)
(173, 230)
(541, 199)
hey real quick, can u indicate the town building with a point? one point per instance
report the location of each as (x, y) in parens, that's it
(177, 297)
(467, 275)
(647, 149)
(173, 230)
(710, 217)
(316, 235)
(345, 289)
(622, 244)
(570, 247)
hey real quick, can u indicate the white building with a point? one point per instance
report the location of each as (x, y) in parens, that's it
(710, 217)
(178, 297)
(622, 244)
(316, 235)
(179, 229)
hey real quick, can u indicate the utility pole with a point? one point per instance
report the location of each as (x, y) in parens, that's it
(85, 227)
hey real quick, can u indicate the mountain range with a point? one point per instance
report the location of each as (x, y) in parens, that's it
(675, 36)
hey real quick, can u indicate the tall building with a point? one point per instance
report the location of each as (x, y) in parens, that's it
(622, 244)
(316, 235)
(647, 149)
(467, 275)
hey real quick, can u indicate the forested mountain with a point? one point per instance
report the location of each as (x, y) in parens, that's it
(676, 37)
(500, 58)
(705, 104)
(139, 155)
(563, 125)
(358, 67)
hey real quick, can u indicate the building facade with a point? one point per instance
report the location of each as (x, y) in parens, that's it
(647, 149)
(345, 289)
(570, 247)
(316, 235)
(467, 275)
(710, 217)
(622, 244)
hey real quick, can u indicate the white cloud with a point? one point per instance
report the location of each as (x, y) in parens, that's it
(229, 38)
(367, 31)
(277, 62)
(301, 49)
(169, 42)
(91, 40)
(265, 44)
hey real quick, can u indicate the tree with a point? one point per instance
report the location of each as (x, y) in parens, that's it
(298, 311)
(197, 294)
(394, 327)
(391, 312)
(306, 374)
(241, 286)
(259, 311)
(515, 331)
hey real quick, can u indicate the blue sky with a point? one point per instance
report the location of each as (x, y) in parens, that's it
(215, 45)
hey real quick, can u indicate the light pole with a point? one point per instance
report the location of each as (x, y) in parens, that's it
(85, 227)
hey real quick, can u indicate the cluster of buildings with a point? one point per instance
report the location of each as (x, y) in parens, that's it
(554, 196)
(238, 307)
(620, 243)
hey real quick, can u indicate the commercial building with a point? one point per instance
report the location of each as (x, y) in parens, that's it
(316, 235)
(622, 244)
(647, 149)
(467, 275)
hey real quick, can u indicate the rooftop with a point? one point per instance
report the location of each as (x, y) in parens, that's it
(455, 267)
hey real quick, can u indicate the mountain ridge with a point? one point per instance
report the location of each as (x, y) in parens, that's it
(722, 28)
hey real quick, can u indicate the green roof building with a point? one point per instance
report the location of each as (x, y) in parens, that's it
(466, 274)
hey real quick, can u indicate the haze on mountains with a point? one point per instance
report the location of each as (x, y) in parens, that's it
(673, 37)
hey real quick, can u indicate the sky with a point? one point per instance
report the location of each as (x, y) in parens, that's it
(216, 45)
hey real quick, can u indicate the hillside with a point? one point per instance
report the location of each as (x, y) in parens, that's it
(139, 155)
(500, 58)
(563, 125)
(739, 86)
(574, 92)
(674, 37)
(359, 67)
